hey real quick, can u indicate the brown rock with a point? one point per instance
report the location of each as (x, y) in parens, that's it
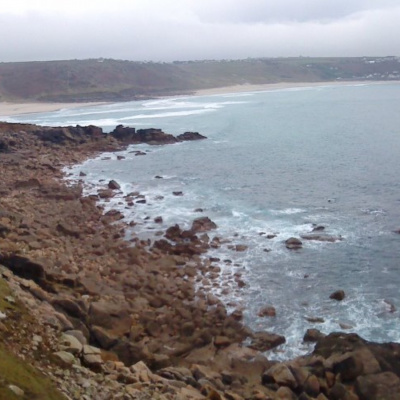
(264, 341)
(338, 295)
(267, 311)
(322, 238)
(280, 374)
(203, 224)
(312, 335)
(241, 247)
(221, 341)
(190, 136)
(385, 386)
(293, 243)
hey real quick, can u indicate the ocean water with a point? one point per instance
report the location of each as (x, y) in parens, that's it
(275, 162)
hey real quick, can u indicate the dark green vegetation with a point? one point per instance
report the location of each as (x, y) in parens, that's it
(13, 370)
(113, 80)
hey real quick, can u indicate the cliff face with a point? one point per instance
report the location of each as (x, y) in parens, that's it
(113, 80)
(110, 319)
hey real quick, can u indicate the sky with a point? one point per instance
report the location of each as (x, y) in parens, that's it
(169, 30)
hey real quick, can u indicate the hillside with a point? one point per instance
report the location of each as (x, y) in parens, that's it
(115, 80)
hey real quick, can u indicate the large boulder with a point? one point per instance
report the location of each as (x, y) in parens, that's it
(293, 243)
(190, 136)
(264, 341)
(203, 224)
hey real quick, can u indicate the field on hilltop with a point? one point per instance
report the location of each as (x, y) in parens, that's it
(116, 80)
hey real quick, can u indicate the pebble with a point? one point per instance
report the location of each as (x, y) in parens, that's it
(18, 391)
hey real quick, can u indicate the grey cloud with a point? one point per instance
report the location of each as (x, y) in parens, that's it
(187, 30)
(283, 11)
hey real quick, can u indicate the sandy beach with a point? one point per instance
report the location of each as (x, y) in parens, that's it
(8, 109)
(282, 85)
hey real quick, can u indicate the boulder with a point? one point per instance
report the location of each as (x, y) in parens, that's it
(190, 136)
(64, 358)
(385, 385)
(322, 238)
(338, 295)
(91, 357)
(267, 311)
(280, 374)
(114, 185)
(71, 344)
(293, 243)
(203, 224)
(312, 335)
(264, 341)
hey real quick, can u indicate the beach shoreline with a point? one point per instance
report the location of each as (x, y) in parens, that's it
(248, 88)
(12, 109)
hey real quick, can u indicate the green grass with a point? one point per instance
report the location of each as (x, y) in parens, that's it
(17, 372)
(14, 371)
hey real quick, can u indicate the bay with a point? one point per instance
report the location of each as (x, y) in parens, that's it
(275, 163)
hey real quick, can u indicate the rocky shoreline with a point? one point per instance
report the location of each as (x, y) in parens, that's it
(110, 319)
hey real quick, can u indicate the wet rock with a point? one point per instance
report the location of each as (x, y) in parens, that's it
(177, 193)
(338, 295)
(264, 341)
(240, 247)
(322, 238)
(315, 320)
(158, 220)
(114, 185)
(312, 335)
(267, 311)
(203, 224)
(293, 243)
(105, 193)
(190, 136)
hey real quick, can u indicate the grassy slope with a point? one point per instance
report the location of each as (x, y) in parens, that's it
(14, 371)
(86, 80)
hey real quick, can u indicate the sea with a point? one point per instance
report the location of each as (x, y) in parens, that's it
(276, 164)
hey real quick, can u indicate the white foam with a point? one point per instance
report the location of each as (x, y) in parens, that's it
(167, 114)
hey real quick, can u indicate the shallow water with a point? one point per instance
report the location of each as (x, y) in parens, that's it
(276, 162)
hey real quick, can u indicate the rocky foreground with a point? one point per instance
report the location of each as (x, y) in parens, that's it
(108, 319)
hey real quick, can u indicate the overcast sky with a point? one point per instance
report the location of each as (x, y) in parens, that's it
(167, 30)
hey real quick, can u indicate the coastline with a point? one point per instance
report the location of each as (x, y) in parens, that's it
(282, 85)
(9, 109)
(141, 308)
